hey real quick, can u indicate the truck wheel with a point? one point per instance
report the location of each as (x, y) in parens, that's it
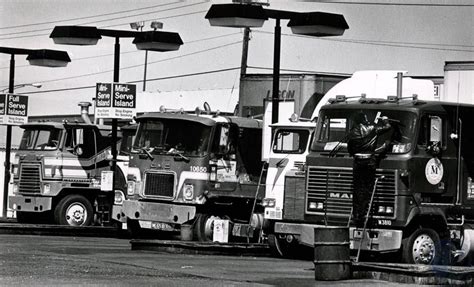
(423, 246)
(74, 210)
(204, 227)
(278, 246)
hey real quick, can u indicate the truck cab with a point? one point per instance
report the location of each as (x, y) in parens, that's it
(57, 173)
(422, 199)
(191, 169)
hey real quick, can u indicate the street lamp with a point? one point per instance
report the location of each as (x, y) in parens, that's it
(139, 26)
(87, 35)
(36, 85)
(316, 24)
(41, 57)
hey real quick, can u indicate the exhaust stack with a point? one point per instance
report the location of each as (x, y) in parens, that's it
(85, 111)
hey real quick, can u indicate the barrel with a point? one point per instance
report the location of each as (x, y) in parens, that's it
(186, 232)
(332, 253)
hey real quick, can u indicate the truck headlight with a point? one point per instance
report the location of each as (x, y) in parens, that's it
(130, 188)
(15, 188)
(316, 205)
(188, 191)
(269, 202)
(46, 188)
(119, 197)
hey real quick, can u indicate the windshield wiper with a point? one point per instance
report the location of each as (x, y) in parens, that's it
(338, 146)
(178, 153)
(144, 150)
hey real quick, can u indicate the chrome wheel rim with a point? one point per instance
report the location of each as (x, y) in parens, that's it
(76, 214)
(424, 249)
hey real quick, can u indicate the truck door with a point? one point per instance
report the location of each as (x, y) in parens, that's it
(82, 142)
(224, 149)
(435, 164)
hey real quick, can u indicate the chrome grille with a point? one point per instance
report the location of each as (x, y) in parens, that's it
(159, 184)
(30, 178)
(294, 203)
(333, 187)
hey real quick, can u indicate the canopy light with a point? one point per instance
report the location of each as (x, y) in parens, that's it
(75, 35)
(236, 15)
(158, 41)
(318, 24)
(48, 58)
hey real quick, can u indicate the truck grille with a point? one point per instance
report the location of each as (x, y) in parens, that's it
(159, 184)
(30, 178)
(333, 187)
(294, 201)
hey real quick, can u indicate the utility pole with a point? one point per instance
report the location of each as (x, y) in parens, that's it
(245, 51)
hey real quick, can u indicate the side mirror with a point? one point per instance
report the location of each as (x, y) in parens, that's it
(436, 128)
(224, 140)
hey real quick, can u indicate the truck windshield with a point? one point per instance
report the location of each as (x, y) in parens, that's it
(334, 125)
(40, 139)
(172, 136)
(290, 141)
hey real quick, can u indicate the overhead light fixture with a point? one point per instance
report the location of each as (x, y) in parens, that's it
(158, 41)
(48, 58)
(236, 15)
(156, 25)
(137, 25)
(75, 35)
(319, 24)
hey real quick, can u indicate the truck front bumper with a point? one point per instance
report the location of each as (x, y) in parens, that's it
(159, 212)
(118, 213)
(29, 203)
(374, 239)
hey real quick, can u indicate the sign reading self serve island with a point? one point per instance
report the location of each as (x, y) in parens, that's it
(116, 101)
(13, 109)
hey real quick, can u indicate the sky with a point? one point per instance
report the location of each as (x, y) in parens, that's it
(416, 36)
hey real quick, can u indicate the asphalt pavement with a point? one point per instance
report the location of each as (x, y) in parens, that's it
(33, 260)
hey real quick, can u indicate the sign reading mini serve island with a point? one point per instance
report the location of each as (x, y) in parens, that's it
(115, 100)
(13, 109)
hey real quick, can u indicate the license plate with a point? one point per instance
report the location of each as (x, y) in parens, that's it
(162, 226)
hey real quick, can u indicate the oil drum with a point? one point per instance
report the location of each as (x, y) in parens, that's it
(332, 253)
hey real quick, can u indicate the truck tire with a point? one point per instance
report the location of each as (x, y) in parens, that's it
(204, 227)
(74, 210)
(423, 246)
(278, 247)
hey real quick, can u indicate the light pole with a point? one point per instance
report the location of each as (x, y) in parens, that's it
(318, 24)
(36, 85)
(44, 58)
(87, 35)
(139, 26)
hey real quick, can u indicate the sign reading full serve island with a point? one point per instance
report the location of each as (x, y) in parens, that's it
(116, 101)
(13, 109)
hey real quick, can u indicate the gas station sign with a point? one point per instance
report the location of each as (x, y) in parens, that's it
(115, 100)
(13, 109)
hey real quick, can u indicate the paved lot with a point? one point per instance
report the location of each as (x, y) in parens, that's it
(31, 260)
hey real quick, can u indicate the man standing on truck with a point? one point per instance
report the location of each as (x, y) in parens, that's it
(362, 146)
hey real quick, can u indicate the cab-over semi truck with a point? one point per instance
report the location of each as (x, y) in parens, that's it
(191, 169)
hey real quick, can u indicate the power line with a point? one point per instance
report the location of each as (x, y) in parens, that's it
(87, 17)
(139, 81)
(135, 66)
(299, 71)
(383, 43)
(391, 4)
(100, 21)
(134, 51)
